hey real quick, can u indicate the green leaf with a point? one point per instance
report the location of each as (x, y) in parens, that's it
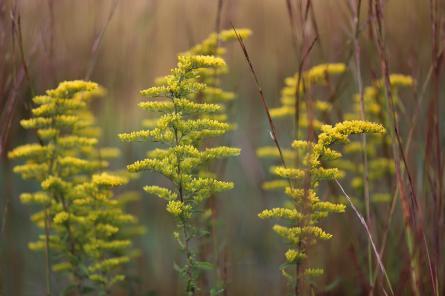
(204, 265)
(216, 291)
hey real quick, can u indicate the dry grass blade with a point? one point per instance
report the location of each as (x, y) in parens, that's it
(412, 215)
(433, 147)
(363, 222)
(263, 100)
(22, 55)
(20, 74)
(291, 16)
(300, 83)
(97, 42)
(394, 129)
(218, 17)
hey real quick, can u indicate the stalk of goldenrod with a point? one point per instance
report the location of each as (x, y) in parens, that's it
(181, 131)
(86, 235)
(305, 209)
(214, 45)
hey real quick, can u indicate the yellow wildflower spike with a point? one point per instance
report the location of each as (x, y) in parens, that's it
(87, 222)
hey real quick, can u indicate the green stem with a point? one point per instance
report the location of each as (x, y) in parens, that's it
(414, 265)
(297, 273)
(190, 289)
(47, 254)
(53, 170)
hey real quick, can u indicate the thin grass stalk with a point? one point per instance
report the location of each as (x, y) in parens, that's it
(98, 41)
(358, 270)
(51, 24)
(51, 36)
(316, 30)
(420, 99)
(290, 14)
(358, 75)
(303, 57)
(433, 141)
(408, 205)
(22, 54)
(365, 225)
(18, 78)
(388, 223)
(301, 84)
(218, 19)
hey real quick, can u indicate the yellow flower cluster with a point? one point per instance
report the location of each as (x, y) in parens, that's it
(187, 118)
(293, 255)
(87, 222)
(313, 272)
(396, 80)
(291, 214)
(301, 183)
(320, 73)
(161, 192)
(105, 179)
(178, 208)
(209, 46)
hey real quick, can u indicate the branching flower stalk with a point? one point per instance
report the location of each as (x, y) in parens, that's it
(83, 222)
(213, 45)
(181, 129)
(303, 212)
(318, 76)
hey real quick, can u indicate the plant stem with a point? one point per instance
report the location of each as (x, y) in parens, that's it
(47, 254)
(374, 248)
(358, 74)
(409, 204)
(297, 274)
(414, 266)
(189, 264)
(53, 170)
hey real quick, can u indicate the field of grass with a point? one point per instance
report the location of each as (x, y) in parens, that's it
(222, 147)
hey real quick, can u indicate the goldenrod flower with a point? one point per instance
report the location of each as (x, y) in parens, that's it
(190, 111)
(86, 220)
(301, 185)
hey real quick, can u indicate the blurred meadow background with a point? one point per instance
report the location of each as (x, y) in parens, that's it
(125, 45)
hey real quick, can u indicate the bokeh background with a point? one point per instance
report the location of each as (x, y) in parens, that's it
(124, 46)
